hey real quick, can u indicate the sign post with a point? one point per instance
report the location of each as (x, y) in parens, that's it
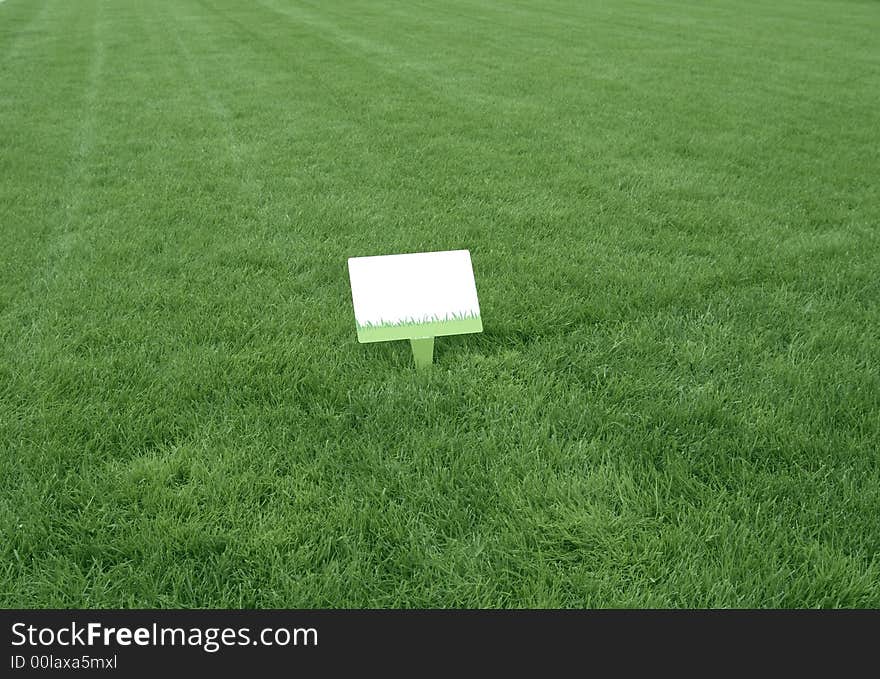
(423, 351)
(416, 296)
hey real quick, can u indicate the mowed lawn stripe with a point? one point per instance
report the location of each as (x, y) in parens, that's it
(43, 155)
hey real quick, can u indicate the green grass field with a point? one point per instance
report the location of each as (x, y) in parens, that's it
(674, 218)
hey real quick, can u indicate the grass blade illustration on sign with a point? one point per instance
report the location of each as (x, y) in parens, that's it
(415, 296)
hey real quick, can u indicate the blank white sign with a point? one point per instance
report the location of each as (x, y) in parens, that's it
(411, 289)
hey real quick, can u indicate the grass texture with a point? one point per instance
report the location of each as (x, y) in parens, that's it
(672, 209)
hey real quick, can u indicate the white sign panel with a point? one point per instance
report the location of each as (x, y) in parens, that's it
(409, 296)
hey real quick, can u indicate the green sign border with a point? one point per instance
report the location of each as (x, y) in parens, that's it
(416, 329)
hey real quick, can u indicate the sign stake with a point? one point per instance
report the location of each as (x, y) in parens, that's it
(423, 351)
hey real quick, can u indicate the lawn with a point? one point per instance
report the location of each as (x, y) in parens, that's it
(674, 218)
